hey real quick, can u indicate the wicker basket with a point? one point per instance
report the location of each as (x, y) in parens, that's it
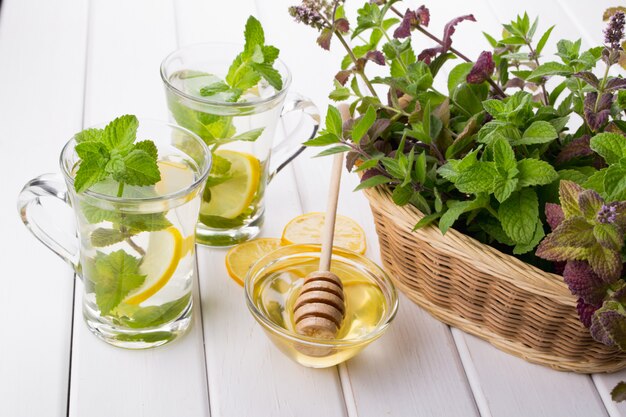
(512, 305)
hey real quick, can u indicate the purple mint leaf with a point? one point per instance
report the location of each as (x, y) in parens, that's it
(577, 148)
(585, 312)
(606, 262)
(608, 325)
(343, 76)
(616, 84)
(404, 29)
(554, 215)
(377, 129)
(571, 240)
(412, 19)
(324, 39)
(590, 203)
(482, 70)
(376, 56)
(614, 32)
(583, 282)
(568, 195)
(515, 83)
(342, 25)
(450, 28)
(428, 54)
(588, 77)
(596, 111)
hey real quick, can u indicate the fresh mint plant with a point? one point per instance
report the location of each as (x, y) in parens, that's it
(490, 155)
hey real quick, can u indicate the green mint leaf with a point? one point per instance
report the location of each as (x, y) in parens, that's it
(363, 124)
(478, 178)
(140, 168)
(618, 393)
(504, 157)
(543, 40)
(120, 133)
(90, 171)
(339, 94)
(95, 214)
(614, 183)
(493, 228)
(458, 75)
(334, 122)
(535, 172)
(457, 208)
(149, 147)
(372, 182)
(610, 146)
(494, 107)
(114, 276)
(257, 55)
(537, 133)
(504, 187)
(254, 35)
(322, 140)
(401, 195)
(334, 150)
(89, 135)
(270, 53)
(520, 248)
(518, 215)
(271, 75)
(250, 135)
(152, 316)
(212, 89)
(106, 237)
(145, 222)
(92, 151)
(220, 165)
(426, 220)
(549, 69)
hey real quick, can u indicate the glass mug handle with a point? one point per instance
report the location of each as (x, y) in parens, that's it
(31, 209)
(308, 124)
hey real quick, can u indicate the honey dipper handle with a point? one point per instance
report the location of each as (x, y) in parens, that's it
(331, 211)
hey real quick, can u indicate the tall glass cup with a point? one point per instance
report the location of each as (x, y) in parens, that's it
(239, 134)
(135, 253)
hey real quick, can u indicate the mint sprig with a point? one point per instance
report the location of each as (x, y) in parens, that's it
(112, 153)
(256, 62)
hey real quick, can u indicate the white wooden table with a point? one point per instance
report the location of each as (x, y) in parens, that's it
(67, 64)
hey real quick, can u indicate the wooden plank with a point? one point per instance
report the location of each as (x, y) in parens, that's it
(247, 374)
(41, 107)
(127, 41)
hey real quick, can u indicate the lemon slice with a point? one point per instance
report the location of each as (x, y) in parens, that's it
(175, 176)
(307, 228)
(164, 252)
(240, 258)
(232, 197)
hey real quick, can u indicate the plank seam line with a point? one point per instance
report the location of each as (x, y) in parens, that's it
(470, 372)
(73, 315)
(177, 26)
(206, 368)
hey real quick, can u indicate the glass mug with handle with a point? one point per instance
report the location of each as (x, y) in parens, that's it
(239, 133)
(135, 250)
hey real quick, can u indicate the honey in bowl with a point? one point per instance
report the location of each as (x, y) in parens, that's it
(274, 283)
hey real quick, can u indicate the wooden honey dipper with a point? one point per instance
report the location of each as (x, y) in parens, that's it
(320, 307)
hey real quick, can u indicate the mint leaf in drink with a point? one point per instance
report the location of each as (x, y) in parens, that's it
(112, 153)
(151, 316)
(114, 276)
(250, 66)
(102, 237)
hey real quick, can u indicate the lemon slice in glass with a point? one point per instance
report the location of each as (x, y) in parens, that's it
(175, 176)
(165, 249)
(307, 228)
(240, 258)
(232, 197)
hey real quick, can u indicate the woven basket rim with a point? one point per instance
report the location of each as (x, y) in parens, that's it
(482, 256)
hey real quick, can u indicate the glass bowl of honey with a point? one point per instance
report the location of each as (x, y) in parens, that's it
(274, 283)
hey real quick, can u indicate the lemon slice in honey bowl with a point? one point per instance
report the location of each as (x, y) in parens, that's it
(240, 258)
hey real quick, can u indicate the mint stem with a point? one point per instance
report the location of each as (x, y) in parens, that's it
(139, 249)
